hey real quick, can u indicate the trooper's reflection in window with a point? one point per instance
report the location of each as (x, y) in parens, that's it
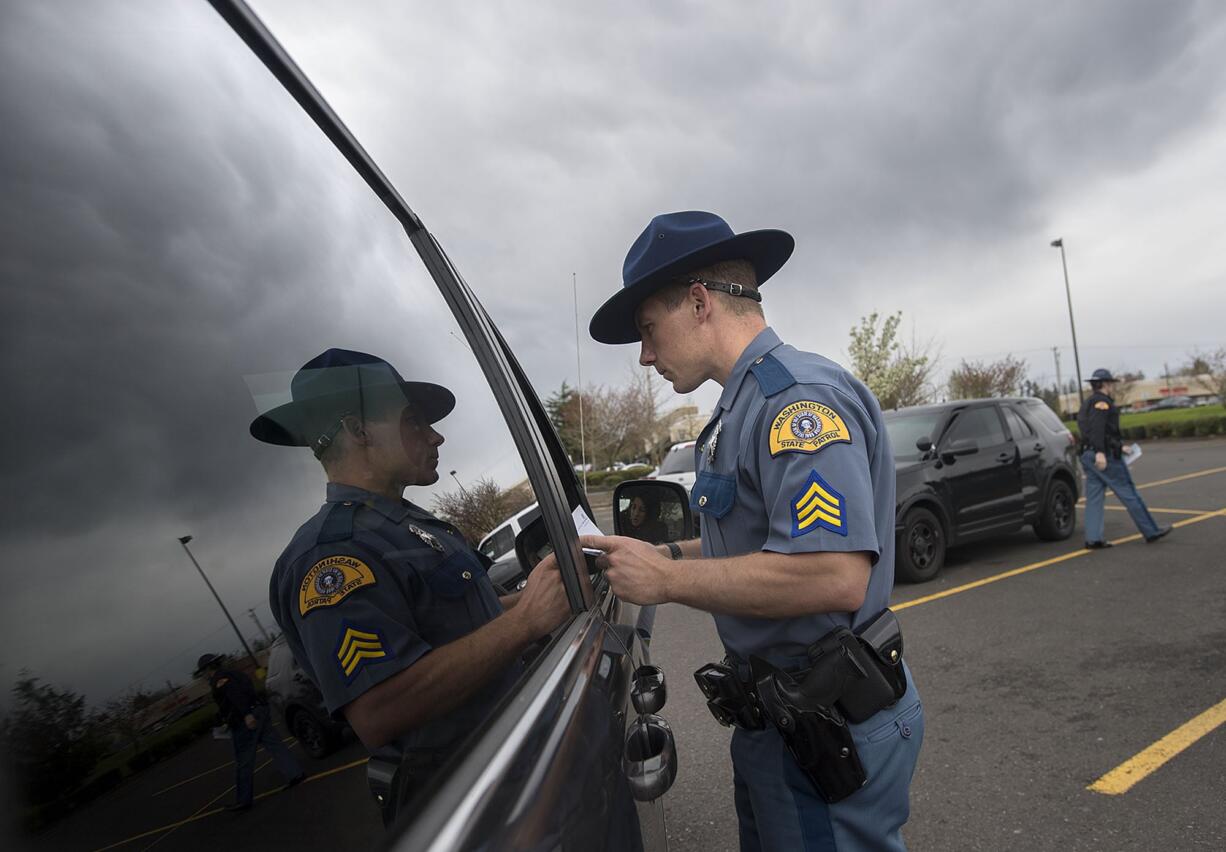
(386, 607)
(641, 518)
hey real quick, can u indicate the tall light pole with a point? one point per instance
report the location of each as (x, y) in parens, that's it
(183, 540)
(463, 490)
(1072, 325)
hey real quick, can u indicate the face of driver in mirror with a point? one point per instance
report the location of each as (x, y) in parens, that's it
(649, 513)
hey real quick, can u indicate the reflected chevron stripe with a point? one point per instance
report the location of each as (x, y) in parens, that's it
(817, 506)
(356, 646)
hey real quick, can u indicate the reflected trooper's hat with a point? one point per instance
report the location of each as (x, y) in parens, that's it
(338, 382)
(207, 660)
(1101, 375)
(674, 244)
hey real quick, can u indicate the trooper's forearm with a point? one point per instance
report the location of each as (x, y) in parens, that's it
(691, 548)
(773, 585)
(439, 682)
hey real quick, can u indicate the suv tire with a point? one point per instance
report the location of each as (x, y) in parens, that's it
(921, 547)
(1059, 516)
(314, 737)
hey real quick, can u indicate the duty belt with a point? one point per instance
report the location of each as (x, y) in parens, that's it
(850, 677)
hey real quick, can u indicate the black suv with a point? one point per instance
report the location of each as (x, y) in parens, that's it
(299, 705)
(974, 468)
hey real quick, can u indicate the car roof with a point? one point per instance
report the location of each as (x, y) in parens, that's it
(950, 405)
(682, 445)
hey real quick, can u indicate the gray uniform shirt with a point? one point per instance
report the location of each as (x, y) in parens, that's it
(796, 459)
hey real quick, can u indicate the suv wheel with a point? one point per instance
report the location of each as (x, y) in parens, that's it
(921, 547)
(316, 739)
(1058, 517)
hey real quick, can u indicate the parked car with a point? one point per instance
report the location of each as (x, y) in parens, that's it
(298, 705)
(976, 468)
(678, 465)
(499, 546)
(1172, 402)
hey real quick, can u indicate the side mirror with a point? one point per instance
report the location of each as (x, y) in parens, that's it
(923, 444)
(652, 511)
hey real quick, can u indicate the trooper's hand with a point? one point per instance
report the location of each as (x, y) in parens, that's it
(636, 571)
(543, 601)
(1100, 461)
(250, 722)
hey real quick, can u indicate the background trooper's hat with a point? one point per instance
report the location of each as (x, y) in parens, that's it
(207, 660)
(676, 243)
(1101, 375)
(341, 381)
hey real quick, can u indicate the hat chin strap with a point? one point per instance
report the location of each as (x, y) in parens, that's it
(730, 289)
(320, 445)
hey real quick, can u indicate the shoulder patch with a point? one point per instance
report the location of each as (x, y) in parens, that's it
(1102, 405)
(817, 505)
(772, 376)
(806, 427)
(332, 580)
(358, 645)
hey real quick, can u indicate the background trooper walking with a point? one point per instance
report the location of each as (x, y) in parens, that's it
(1102, 460)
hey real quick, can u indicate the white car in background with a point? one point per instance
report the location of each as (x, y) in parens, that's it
(678, 465)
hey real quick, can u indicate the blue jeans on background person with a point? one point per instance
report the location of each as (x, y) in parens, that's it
(1117, 477)
(245, 741)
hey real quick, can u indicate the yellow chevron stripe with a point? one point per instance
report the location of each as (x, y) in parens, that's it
(362, 655)
(818, 514)
(816, 492)
(817, 504)
(358, 648)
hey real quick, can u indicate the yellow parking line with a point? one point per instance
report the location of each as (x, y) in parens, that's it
(286, 740)
(1160, 511)
(1134, 770)
(1182, 478)
(202, 814)
(1034, 566)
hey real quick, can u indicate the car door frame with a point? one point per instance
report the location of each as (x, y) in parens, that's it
(1030, 450)
(985, 510)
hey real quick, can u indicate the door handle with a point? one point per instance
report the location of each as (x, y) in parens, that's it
(649, 758)
(648, 693)
(1005, 458)
(1040, 447)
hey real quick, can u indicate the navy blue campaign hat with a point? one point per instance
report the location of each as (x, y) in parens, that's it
(676, 243)
(341, 381)
(1101, 375)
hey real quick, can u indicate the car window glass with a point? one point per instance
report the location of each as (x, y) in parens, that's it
(981, 425)
(500, 543)
(1017, 426)
(1045, 415)
(905, 429)
(184, 240)
(680, 460)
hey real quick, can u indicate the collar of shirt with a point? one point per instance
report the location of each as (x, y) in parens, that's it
(394, 510)
(766, 341)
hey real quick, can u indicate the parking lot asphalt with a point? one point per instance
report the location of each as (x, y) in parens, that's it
(1043, 667)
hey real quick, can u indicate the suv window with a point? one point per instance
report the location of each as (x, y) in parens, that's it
(503, 541)
(209, 240)
(680, 460)
(980, 424)
(1018, 426)
(1040, 411)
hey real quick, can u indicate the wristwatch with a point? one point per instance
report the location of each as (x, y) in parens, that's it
(674, 549)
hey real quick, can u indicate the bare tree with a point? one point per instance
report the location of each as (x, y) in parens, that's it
(124, 716)
(898, 376)
(479, 508)
(1212, 376)
(977, 379)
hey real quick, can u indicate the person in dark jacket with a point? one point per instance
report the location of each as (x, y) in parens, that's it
(246, 715)
(1101, 459)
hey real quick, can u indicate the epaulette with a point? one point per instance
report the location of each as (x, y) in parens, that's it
(772, 376)
(338, 525)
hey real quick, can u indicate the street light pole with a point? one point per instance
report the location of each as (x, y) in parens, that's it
(1072, 325)
(463, 490)
(183, 540)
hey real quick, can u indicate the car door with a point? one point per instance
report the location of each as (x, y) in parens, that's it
(1030, 450)
(187, 244)
(982, 472)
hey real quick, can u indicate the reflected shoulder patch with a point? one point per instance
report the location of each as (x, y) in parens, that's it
(807, 427)
(331, 580)
(817, 505)
(1102, 405)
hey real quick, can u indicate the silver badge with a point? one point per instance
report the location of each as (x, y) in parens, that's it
(426, 537)
(714, 441)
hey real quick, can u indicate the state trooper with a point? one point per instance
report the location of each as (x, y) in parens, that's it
(386, 607)
(795, 488)
(1101, 460)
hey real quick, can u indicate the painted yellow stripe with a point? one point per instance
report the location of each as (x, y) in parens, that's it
(1134, 770)
(198, 775)
(1034, 566)
(1183, 477)
(202, 814)
(1152, 510)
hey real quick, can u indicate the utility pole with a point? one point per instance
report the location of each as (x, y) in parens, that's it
(1055, 351)
(183, 540)
(463, 490)
(574, 288)
(1166, 374)
(260, 627)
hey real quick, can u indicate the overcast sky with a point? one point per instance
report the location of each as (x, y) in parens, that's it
(178, 237)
